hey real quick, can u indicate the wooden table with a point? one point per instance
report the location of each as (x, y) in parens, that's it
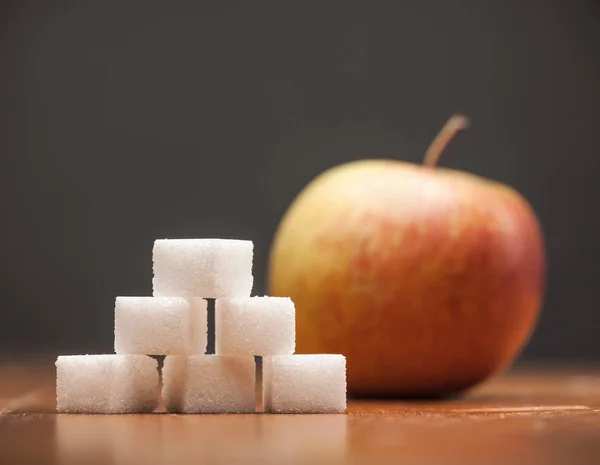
(531, 416)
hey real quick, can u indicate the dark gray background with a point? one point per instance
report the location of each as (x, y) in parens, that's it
(124, 121)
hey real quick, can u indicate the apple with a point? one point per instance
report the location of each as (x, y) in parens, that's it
(429, 280)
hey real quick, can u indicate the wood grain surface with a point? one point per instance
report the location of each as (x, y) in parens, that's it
(531, 416)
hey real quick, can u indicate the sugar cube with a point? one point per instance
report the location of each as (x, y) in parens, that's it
(160, 325)
(255, 326)
(313, 383)
(209, 384)
(209, 268)
(106, 384)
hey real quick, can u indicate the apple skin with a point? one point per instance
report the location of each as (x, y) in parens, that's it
(428, 280)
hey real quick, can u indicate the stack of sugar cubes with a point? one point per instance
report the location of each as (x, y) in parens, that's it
(173, 323)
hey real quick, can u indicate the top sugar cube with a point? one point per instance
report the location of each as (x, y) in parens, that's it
(208, 268)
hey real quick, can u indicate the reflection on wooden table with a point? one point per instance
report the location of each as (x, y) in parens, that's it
(530, 416)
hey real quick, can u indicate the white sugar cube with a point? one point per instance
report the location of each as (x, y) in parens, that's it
(106, 384)
(160, 325)
(209, 384)
(209, 268)
(255, 326)
(304, 384)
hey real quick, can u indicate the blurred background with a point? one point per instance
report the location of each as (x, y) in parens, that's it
(122, 121)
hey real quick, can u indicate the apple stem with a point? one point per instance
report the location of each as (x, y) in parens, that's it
(455, 124)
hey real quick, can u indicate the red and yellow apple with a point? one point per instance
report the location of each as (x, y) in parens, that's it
(428, 280)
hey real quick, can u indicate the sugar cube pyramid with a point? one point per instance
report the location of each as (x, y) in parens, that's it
(174, 322)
